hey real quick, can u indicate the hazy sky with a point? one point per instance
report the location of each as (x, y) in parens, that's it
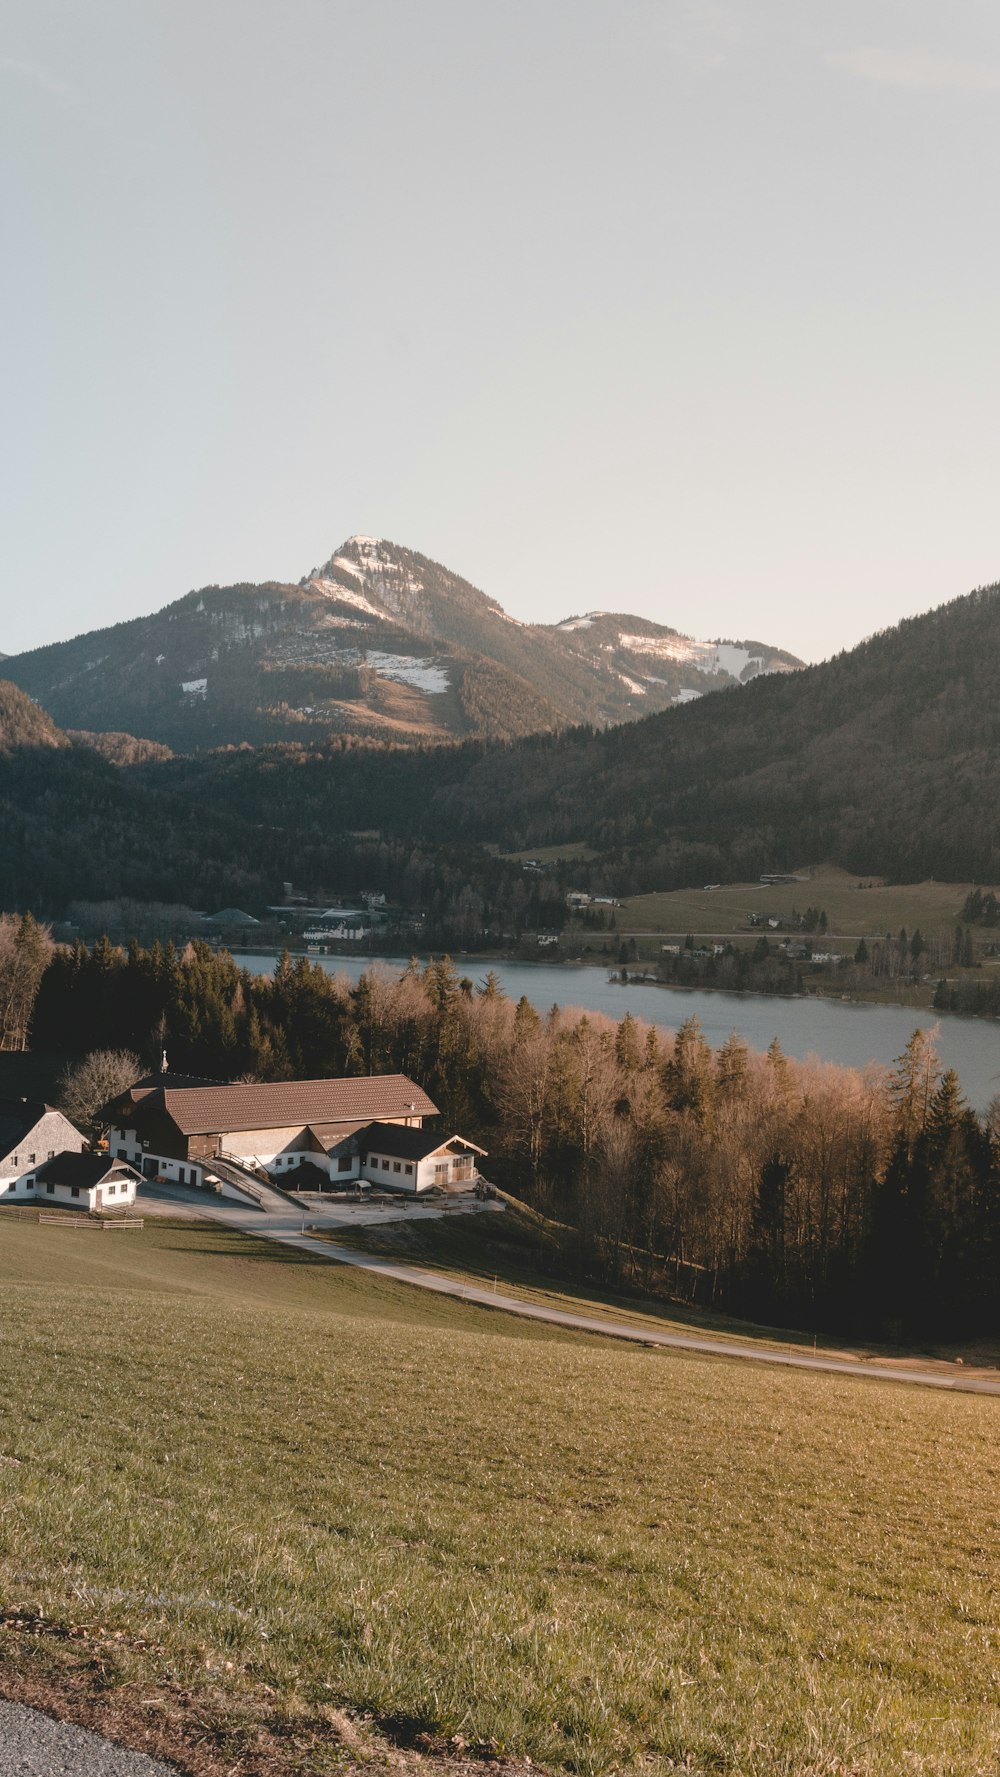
(683, 307)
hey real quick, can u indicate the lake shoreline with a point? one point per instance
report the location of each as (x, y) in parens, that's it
(846, 1033)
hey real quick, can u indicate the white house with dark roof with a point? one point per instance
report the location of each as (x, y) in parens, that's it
(30, 1134)
(401, 1159)
(85, 1181)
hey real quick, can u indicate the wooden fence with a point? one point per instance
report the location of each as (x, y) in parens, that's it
(87, 1221)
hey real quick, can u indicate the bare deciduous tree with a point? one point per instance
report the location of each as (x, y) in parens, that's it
(94, 1081)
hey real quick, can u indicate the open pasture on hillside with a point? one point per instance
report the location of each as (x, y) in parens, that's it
(280, 1487)
(853, 908)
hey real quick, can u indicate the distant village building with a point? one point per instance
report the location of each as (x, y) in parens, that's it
(346, 1128)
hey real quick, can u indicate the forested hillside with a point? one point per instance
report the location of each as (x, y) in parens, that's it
(23, 724)
(883, 760)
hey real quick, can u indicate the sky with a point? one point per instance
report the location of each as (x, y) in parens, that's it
(678, 307)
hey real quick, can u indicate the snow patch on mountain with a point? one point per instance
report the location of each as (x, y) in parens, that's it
(706, 657)
(733, 660)
(346, 595)
(195, 687)
(633, 685)
(688, 696)
(423, 675)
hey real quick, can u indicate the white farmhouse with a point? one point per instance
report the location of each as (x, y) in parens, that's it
(85, 1181)
(402, 1159)
(31, 1133)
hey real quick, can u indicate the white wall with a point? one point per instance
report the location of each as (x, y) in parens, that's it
(62, 1195)
(21, 1187)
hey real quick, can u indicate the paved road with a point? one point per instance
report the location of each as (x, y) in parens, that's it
(33, 1745)
(287, 1230)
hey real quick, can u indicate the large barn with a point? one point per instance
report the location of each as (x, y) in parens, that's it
(348, 1129)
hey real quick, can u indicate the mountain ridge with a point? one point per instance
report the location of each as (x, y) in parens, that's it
(379, 641)
(884, 760)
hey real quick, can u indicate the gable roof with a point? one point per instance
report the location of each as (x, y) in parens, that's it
(407, 1144)
(18, 1117)
(84, 1170)
(212, 1110)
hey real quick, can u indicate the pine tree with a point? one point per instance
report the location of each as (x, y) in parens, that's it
(912, 1084)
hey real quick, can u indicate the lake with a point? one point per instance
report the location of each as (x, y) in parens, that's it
(848, 1033)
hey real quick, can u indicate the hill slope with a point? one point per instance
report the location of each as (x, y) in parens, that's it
(23, 724)
(380, 642)
(884, 760)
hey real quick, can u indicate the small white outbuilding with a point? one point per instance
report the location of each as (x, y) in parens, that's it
(85, 1181)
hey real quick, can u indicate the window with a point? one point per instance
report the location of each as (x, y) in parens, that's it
(409, 1171)
(395, 1166)
(31, 1159)
(121, 1155)
(343, 1163)
(52, 1153)
(50, 1187)
(74, 1191)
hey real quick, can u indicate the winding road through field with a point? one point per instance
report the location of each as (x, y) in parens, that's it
(287, 1228)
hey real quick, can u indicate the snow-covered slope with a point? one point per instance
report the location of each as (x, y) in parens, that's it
(663, 666)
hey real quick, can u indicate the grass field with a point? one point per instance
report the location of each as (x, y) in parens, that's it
(275, 1486)
(852, 910)
(523, 1254)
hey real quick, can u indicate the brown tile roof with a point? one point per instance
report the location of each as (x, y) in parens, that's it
(213, 1110)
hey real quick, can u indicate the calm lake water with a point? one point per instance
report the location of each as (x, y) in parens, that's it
(850, 1034)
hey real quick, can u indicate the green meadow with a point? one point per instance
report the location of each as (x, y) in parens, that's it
(283, 1488)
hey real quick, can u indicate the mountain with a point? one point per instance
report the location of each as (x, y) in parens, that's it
(885, 760)
(377, 642)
